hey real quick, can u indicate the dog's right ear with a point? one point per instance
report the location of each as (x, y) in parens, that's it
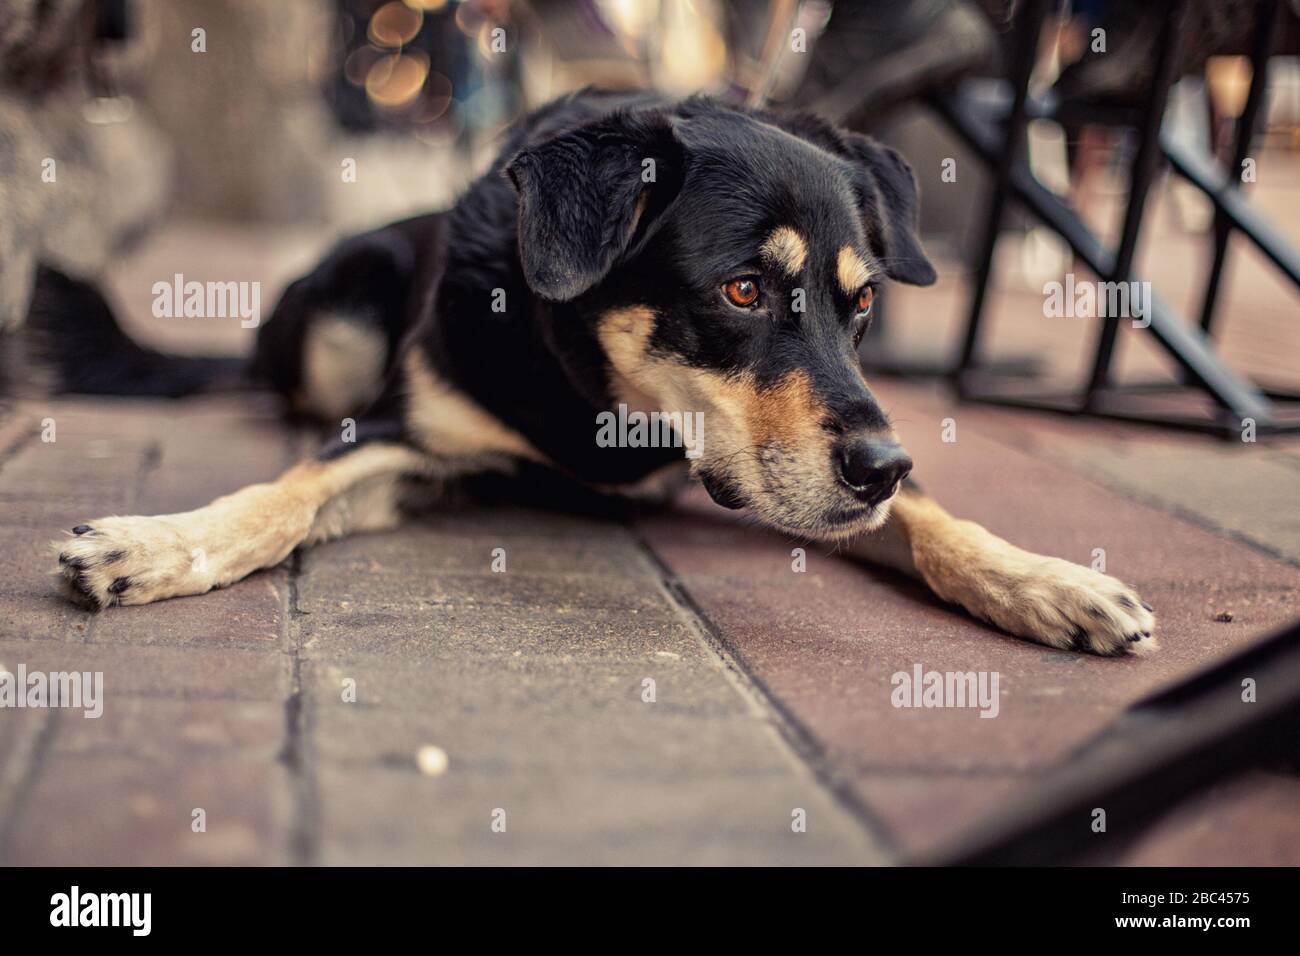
(588, 194)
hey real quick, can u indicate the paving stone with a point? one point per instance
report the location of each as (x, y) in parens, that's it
(41, 613)
(419, 566)
(48, 487)
(158, 729)
(579, 818)
(1247, 489)
(34, 605)
(21, 733)
(122, 811)
(71, 457)
(420, 635)
(421, 550)
(176, 672)
(924, 811)
(619, 741)
(527, 688)
(250, 613)
(325, 588)
(46, 515)
(516, 523)
(183, 478)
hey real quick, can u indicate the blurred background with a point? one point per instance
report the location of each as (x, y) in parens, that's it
(235, 139)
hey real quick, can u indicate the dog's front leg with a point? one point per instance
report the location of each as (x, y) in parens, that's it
(1044, 599)
(140, 559)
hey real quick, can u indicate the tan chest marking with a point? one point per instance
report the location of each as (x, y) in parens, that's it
(448, 422)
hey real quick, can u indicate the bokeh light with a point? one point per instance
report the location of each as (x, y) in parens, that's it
(395, 80)
(394, 24)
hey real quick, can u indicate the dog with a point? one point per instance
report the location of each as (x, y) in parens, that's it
(683, 257)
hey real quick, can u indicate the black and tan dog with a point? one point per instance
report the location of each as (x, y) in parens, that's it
(683, 257)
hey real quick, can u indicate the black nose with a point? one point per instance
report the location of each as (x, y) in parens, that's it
(871, 467)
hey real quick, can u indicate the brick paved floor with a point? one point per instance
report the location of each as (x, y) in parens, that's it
(774, 696)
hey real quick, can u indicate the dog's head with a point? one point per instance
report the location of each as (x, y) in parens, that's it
(725, 262)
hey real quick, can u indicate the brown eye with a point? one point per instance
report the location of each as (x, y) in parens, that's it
(741, 292)
(865, 298)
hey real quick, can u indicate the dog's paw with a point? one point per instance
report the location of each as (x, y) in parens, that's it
(1065, 605)
(133, 560)
(1044, 599)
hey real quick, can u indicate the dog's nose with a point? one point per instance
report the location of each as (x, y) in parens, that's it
(871, 467)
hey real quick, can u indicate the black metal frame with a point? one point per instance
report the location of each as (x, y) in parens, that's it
(999, 141)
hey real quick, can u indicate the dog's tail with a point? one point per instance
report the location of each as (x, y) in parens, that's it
(71, 343)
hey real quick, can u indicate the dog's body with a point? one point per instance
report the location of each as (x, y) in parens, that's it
(686, 258)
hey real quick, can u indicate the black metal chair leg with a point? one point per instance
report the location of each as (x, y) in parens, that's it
(1029, 26)
(1261, 49)
(1145, 165)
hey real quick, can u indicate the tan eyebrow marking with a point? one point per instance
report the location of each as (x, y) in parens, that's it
(851, 271)
(787, 249)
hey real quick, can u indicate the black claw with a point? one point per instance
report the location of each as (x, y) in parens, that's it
(1079, 639)
(83, 594)
(1134, 637)
(82, 529)
(119, 585)
(1147, 606)
(113, 556)
(1126, 601)
(75, 563)
(1146, 633)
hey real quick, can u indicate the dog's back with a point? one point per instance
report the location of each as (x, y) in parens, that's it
(332, 340)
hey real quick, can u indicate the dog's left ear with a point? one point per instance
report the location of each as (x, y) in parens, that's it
(891, 209)
(588, 194)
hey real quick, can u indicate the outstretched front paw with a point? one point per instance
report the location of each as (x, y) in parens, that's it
(1070, 606)
(132, 560)
(1044, 599)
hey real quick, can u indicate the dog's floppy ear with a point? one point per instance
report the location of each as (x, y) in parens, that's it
(586, 193)
(891, 208)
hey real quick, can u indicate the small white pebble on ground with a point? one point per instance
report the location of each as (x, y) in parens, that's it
(431, 760)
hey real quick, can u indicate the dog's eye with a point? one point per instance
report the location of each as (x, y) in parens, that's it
(741, 292)
(865, 298)
(863, 304)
